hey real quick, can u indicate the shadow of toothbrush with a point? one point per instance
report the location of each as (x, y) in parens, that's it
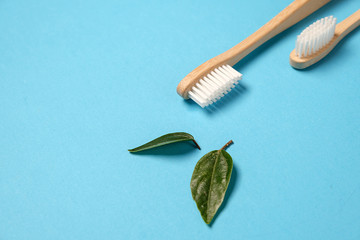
(324, 11)
(241, 89)
(238, 91)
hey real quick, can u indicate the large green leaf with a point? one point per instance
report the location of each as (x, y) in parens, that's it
(166, 139)
(209, 182)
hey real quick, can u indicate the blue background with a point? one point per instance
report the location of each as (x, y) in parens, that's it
(83, 81)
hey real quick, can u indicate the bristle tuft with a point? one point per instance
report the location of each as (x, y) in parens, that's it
(315, 37)
(215, 85)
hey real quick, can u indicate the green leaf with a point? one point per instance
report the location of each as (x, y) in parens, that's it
(164, 140)
(209, 182)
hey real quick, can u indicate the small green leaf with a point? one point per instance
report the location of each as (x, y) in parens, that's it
(210, 180)
(166, 139)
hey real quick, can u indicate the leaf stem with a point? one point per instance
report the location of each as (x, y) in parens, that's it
(227, 145)
(197, 145)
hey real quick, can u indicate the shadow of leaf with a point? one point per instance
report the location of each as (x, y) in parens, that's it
(179, 148)
(234, 180)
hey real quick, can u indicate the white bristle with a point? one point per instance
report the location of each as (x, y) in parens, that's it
(215, 85)
(315, 37)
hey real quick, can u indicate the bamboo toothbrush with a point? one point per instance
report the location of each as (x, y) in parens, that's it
(317, 40)
(213, 79)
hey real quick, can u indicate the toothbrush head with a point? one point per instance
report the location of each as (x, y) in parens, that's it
(315, 37)
(312, 42)
(211, 87)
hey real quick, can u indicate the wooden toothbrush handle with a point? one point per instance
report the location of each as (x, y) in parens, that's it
(296, 11)
(292, 14)
(346, 26)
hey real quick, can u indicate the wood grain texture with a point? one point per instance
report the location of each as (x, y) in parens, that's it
(341, 30)
(292, 14)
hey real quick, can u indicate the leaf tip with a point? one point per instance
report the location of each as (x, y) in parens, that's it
(196, 144)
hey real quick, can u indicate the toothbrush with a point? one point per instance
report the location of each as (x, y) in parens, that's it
(317, 40)
(213, 79)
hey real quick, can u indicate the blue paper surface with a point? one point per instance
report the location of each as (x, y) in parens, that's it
(83, 81)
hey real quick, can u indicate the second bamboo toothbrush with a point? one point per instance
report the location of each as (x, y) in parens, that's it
(317, 40)
(213, 79)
